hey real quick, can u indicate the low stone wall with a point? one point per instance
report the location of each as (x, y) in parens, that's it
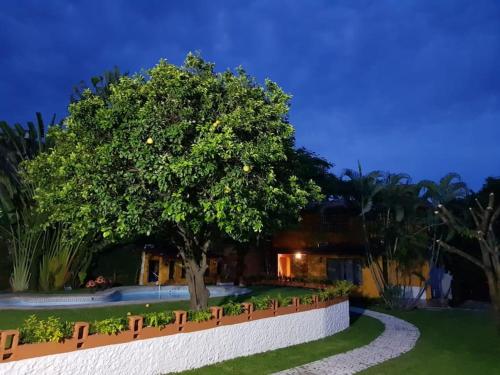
(192, 348)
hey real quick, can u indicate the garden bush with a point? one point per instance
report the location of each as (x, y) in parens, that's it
(283, 301)
(199, 316)
(324, 295)
(158, 319)
(110, 326)
(343, 288)
(340, 289)
(261, 303)
(306, 300)
(232, 308)
(51, 329)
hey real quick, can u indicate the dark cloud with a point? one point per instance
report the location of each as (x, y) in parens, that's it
(409, 86)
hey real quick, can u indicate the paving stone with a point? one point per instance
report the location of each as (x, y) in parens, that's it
(398, 337)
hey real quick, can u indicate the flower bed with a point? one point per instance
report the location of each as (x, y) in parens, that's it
(116, 331)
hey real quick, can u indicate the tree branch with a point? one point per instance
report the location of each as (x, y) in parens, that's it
(454, 250)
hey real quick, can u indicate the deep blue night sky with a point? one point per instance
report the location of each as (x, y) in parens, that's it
(405, 86)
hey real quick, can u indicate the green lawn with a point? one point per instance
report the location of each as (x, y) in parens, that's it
(361, 332)
(452, 342)
(10, 319)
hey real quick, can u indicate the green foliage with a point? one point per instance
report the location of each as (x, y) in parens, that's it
(342, 288)
(110, 326)
(324, 295)
(232, 308)
(449, 188)
(283, 300)
(261, 303)
(81, 277)
(199, 316)
(57, 259)
(306, 300)
(20, 225)
(99, 85)
(180, 145)
(23, 237)
(52, 329)
(158, 319)
(121, 263)
(179, 148)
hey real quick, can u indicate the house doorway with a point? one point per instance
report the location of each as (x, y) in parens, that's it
(284, 265)
(171, 270)
(153, 270)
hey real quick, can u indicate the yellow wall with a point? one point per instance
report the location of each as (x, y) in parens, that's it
(164, 270)
(163, 274)
(316, 268)
(397, 277)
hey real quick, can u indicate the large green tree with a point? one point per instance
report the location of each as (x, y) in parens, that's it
(181, 149)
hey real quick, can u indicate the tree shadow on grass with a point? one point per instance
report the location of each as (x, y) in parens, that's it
(353, 317)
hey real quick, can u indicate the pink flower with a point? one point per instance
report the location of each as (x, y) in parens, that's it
(90, 284)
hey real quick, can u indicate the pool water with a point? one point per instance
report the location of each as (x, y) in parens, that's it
(114, 296)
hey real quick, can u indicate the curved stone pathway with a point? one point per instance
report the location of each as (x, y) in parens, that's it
(398, 337)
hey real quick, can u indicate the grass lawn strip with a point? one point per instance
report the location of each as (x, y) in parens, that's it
(13, 319)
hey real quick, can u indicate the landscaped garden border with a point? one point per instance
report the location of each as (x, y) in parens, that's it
(11, 350)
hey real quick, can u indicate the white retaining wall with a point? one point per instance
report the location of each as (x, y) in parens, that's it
(190, 350)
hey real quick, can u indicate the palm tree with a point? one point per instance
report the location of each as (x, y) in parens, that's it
(364, 189)
(389, 206)
(449, 188)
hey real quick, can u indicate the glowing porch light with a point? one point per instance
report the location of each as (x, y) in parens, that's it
(298, 256)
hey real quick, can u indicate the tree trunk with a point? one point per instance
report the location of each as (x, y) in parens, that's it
(494, 289)
(198, 291)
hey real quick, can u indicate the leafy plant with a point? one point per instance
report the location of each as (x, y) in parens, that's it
(82, 275)
(342, 288)
(52, 329)
(232, 308)
(59, 253)
(20, 223)
(23, 238)
(199, 316)
(283, 301)
(158, 319)
(261, 303)
(110, 326)
(306, 300)
(392, 293)
(324, 295)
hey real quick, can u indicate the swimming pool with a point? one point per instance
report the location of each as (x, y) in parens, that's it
(111, 297)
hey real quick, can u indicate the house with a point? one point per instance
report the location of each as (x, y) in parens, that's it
(326, 245)
(163, 265)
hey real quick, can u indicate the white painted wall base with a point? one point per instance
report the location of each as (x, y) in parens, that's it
(190, 350)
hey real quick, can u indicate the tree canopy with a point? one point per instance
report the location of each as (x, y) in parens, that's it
(182, 147)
